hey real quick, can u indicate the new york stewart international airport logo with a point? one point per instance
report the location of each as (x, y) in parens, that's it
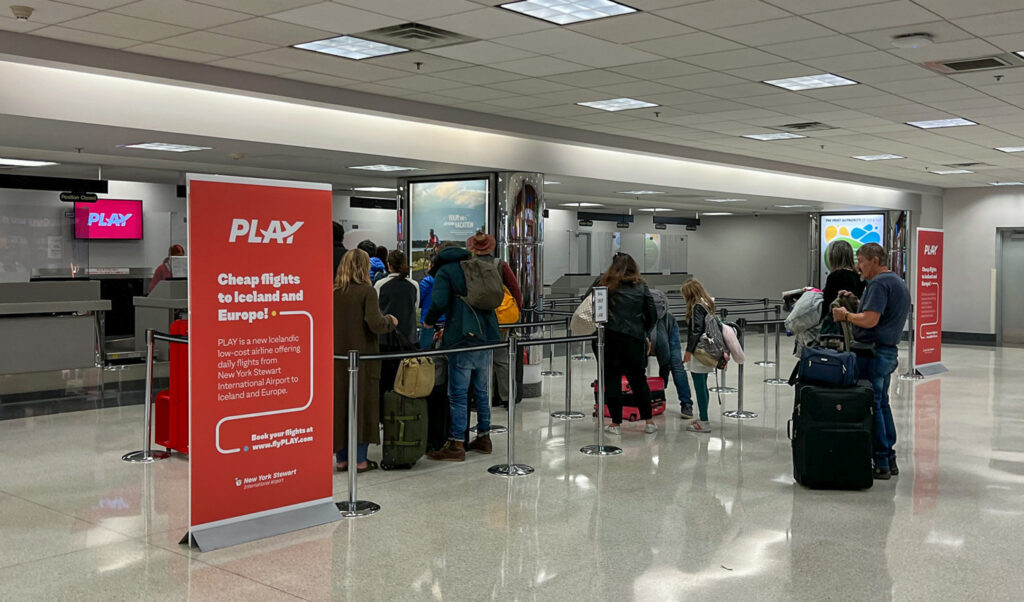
(857, 236)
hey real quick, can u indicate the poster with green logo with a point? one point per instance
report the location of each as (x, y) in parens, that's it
(857, 229)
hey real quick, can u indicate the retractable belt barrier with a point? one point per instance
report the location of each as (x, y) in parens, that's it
(778, 322)
(146, 454)
(739, 412)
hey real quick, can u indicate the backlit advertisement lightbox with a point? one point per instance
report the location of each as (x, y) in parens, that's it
(855, 228)
(448, 211)
(109, 219)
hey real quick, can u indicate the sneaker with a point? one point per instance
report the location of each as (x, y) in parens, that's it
(482, 444)
(882, 474)
(686, 411)
(453, 451)
(699, 426)
(650, 428)
(894, 470)
(614, 430)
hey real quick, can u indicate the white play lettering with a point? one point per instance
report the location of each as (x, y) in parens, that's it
(279, 231)
(115, 219)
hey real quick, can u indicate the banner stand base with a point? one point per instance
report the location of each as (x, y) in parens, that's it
(931, 369)
(188, 540)
(263, 525)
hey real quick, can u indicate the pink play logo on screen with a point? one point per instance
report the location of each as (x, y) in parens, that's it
(109, 219)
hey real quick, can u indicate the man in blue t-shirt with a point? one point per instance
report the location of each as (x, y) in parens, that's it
(880, 319)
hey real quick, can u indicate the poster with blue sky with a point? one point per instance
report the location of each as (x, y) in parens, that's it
(441, 212)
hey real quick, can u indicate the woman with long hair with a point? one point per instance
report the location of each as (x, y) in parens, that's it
(631, 315)
(842, 275)
(699, 305)
(357, 324)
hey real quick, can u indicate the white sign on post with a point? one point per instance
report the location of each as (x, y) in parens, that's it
(600, 304)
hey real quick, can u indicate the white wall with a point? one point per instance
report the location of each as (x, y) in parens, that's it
(970, 217)
(378, 225)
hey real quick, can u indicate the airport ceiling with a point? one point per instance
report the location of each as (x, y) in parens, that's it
(702, 62)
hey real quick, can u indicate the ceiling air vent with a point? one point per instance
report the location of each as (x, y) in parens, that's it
(808, 126)
(414, 36)
(999, 61)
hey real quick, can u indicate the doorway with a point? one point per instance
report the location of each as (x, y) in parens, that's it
(581, 254)
(1009, 287)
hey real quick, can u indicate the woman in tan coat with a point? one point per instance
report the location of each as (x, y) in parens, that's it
(357, 322)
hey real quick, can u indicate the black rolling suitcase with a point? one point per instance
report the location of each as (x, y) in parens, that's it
(831, 433)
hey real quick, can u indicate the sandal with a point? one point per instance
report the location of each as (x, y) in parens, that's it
(370, 465)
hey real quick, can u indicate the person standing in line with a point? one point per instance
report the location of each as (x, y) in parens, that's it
(381, 254)
(426, 296)
(668, 350)
(465, 326)
(880, 319)
(339, 246)
(357, 324)
(631, 315)
(842, 277)
(376, 265)
(699, 305)
(399, 296)
(163, 271)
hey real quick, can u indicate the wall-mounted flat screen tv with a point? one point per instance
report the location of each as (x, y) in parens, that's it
(109, 219)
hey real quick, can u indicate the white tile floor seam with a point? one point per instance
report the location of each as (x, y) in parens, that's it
(678, 515)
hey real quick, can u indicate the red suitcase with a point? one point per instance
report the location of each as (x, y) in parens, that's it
(630, 412)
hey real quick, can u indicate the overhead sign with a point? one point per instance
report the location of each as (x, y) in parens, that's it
(109, 219)
(260, 358)
(928, 302)
(78, 197)
(586, 222)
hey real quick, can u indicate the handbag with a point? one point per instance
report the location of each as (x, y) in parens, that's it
(415, 377)
(582, 322)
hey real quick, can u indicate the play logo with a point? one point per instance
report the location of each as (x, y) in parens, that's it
(109, 219)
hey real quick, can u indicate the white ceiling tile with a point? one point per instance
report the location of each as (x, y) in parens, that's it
(181, 12)
(17, 25)
(419, 83)
(478, 75)
(413, 11)
(633, 27)
(679, 98)
(335, 17)
(98, 4)
(715, 106)
(954, 9)
(484, 53)
(964, 49)
(804, 7)
(529, 87)
(638, 90)
(304, 60)
(48, 13)
(320, 78)
(807, 107)
(171, 52)
(540, 66)
(774, 32)
(269, 31)
(774, 100)
(734, 59)
(875, 16)
(739, 92)
(477, 23)
(251, 66)
(1010, 43)
(204, 41)
(512, 101)
(567, 110)
(593, 78)
(880, 99)
(889, 74)
(473, 93)
(702, 80)
(994, 24)
(942, 32)
(258, 7)
(576, 47)
(761, 73)
(566, 97)
(918, 85)
(862, 60)
(122, 26)
(428, 97)
(834, 45)
(82, 37)
(687, 45)
(841, 92)
(716, 14)
(658, 69)
(428, 63)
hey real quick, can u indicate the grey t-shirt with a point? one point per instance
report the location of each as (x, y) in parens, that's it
(888, 295)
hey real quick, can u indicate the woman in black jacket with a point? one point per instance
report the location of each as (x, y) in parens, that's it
(841, 277)
(699, 305)
(631, 315)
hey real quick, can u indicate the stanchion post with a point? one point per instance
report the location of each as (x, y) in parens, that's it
(766, 363)
(354, 508)
(911, 373)
(600, 449)
(778, 358)
(739, 412)
(511, 469)
(551, 355)
(567, 413)
(496, 429)
(147, 455)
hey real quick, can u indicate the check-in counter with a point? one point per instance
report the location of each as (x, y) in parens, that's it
(167, 302)
(575, 285)
(50, 325)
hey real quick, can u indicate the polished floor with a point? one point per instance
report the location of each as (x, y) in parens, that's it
(678, 516)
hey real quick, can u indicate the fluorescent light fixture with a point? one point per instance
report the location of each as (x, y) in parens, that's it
(1020, 53)
(1006, 183)
(654, 209)
(375, 189)
(947, 172)
(26, 163)
(726, 200)
(941, 123)
(384, 168)
(640, 192)
(166, 146)
(1011, 149)
(716, 213)
(564, 12)
(351, 47)
(548, 183)
(617, 104)
(810, 82)
(877, 157)
(774, 136)
(582, 205)
(794, 206)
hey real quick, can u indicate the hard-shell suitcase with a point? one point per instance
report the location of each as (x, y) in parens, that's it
(831, 433)
(405, 430)
(630, 412)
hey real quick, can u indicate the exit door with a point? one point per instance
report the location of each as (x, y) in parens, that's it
(1010, 287)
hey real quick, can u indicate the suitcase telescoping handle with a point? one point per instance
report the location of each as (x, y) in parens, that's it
(789, 429)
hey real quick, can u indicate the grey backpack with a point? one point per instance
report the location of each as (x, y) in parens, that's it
(711, 347)
(484, 288)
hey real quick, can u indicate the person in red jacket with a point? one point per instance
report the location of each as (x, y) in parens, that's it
(163, 271)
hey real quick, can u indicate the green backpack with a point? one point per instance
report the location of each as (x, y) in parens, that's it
(484, 288)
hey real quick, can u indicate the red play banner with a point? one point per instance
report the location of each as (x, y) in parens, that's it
(260, 345)
(928, 313)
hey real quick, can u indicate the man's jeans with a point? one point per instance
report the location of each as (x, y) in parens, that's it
(670, 358)
(878, 370)
(466, 370)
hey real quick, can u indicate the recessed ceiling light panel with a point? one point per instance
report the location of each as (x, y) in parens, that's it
(810, 82)
(582, 205)
(25, 163)
(564, 12)
(941, 123)
(550, 183)
(640, 192)
(949, 172)
(351, 47)
(726, 200)
(384, 168)
(794, 206)
(774, 136)
(374, 189)
(617, 104)
(654, 209)
(1006, 183)
(715, 213)
(877, 157)
(1011, 149)
(166, 147)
